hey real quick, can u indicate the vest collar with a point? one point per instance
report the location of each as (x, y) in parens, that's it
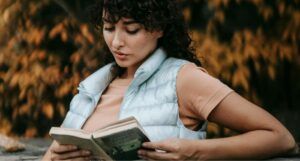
(151, 65)
(96, 83)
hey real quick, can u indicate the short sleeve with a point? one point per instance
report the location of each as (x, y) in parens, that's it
(198, 92)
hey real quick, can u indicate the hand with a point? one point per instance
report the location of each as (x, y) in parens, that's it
(170, 149)
(69, 152)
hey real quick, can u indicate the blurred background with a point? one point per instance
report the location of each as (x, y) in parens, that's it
(48, 46)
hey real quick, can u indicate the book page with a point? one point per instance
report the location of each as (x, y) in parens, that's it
(120, 125)
(72, 132)
(117, 124)
(122, 145)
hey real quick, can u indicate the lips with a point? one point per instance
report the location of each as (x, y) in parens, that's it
(120, 55)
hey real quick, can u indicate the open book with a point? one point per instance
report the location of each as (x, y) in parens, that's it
(117, 141)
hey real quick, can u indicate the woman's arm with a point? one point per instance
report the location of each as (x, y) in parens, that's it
(262, 136)
(65, 152)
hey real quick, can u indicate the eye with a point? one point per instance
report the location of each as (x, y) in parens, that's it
(132, 32)
(109, 28)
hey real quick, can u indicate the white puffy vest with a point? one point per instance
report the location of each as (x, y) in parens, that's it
(151, 98)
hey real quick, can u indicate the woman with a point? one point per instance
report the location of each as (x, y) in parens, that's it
(153, 74)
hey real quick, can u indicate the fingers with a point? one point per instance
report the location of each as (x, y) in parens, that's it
(63, 148)
(169, 149)
(165, 145)
(71, 155)
(79, 159)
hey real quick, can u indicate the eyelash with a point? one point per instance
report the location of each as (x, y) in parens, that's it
(133, 32)
(110, 29)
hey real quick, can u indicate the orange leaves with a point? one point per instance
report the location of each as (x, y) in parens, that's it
(63, 89)
(1, 87)
(292, 31)
(86, 33)
(250, 51)
(61, 30)
(48, 110)
(34, 36)
(5, 125)
(14, 81)
(30, 132)
(52, 75)
(187, 14)
(38, 72)
(281, 7)
(218, 3)
(266, 12)
(230, 62)
(23, 79)
(61, 109)
(271, 72)
(296, 18)
(37, 36)
(24, 110)
(75, 58)
(37, 55)
(9, 9)
(241, 78)
(219, 16)
(211, 51)
(286, 52)
(5, 17)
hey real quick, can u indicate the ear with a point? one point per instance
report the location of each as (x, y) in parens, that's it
(158, 34)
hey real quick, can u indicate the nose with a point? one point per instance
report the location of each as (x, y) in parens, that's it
(118, 40)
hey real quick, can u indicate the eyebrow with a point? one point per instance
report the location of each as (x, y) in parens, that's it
(129, 22)
(126, 22)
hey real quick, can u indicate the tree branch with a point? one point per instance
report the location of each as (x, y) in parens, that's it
(68, 9)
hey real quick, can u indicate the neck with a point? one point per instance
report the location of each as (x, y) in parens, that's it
(129, 72)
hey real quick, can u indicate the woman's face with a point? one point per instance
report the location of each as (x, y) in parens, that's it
(129, 42)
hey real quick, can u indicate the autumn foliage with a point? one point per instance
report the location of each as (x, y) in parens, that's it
(47, 47)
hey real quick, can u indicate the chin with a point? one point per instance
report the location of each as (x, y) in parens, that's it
(122, 64)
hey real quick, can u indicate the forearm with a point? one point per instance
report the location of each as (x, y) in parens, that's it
(252, 145)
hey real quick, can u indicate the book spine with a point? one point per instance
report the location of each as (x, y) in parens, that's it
(100, 153)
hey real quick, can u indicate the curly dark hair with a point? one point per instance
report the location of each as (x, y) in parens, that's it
(163, 15)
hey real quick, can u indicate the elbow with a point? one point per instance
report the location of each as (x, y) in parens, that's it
(291, 146)
(288, 143)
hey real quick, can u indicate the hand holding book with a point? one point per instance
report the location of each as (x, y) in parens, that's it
(117, 141)
(66, 151)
